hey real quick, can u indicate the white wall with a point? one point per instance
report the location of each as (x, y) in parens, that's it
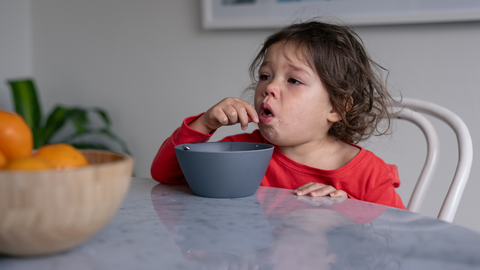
(150, 64)
(15, 45)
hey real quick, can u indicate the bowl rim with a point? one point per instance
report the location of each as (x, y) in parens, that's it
(269, 147)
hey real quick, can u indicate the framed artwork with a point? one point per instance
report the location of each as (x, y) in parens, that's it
(249, 14)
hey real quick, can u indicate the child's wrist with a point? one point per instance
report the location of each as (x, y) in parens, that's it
(198, 125)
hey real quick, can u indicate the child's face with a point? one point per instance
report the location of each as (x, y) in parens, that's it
(290, 99)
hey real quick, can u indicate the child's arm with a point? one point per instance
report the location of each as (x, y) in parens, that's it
(315, 189)
(230, 111)
(165, 167)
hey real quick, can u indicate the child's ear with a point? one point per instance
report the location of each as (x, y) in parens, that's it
(333, 116)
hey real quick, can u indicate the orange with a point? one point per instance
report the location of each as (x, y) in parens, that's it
(29, 163)
(16, 138)
(3, 160)
(62, 155)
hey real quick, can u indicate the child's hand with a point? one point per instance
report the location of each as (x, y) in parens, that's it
(316, 190)
(227, 112)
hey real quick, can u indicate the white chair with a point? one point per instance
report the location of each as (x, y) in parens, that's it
(411, 110)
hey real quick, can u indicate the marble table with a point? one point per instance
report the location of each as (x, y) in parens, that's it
(167, 227)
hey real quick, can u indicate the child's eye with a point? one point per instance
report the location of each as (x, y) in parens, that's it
(263, 77)
(294, 81)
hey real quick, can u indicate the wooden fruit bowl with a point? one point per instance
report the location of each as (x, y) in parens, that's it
(52, 210)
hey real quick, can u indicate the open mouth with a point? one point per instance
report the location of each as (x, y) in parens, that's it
(266, 114)
(266, 110)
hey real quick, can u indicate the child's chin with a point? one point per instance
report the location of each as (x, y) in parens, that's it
(269, 133)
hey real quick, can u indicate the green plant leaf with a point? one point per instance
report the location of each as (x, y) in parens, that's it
(26, 101)
(38, 137)
(55, 121)
(79, 118)
(103, 115)
(60, 116)
(74, 137)
(114, 137)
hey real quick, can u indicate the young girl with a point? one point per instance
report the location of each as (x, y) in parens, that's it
(316, 95)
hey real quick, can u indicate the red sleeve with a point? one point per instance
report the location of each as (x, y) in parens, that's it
(165, 167)
(384, 191)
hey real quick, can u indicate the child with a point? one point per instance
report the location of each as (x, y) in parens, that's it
(316, 95)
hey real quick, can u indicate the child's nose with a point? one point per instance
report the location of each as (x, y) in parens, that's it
(271, 90)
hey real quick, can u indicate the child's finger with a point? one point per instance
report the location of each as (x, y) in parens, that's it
(339, 193)
(304, 186)
(323, 191)
(307, 188)
(215, 116)
(221, 117)
(302, 190)
(232, 114)
(252, 113)
(242, 115)
(224, 115)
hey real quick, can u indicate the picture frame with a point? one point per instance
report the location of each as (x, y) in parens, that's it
(257, 14)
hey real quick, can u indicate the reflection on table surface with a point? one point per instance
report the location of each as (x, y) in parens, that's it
(167, 227)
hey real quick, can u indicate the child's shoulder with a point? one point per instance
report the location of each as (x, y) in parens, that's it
(366, 159)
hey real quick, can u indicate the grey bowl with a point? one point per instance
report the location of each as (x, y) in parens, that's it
(224, 169)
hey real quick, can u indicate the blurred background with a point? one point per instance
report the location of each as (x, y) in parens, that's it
(150, 64)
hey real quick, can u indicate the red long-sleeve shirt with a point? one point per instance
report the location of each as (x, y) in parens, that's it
(366, 177)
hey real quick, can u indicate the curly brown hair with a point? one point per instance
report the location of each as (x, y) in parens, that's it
(352, 79)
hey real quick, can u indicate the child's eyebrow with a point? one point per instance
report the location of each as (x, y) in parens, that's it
(300, 69)
(265, 63)
(296, 68)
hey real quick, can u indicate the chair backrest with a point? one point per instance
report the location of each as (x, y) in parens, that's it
(412, 110)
